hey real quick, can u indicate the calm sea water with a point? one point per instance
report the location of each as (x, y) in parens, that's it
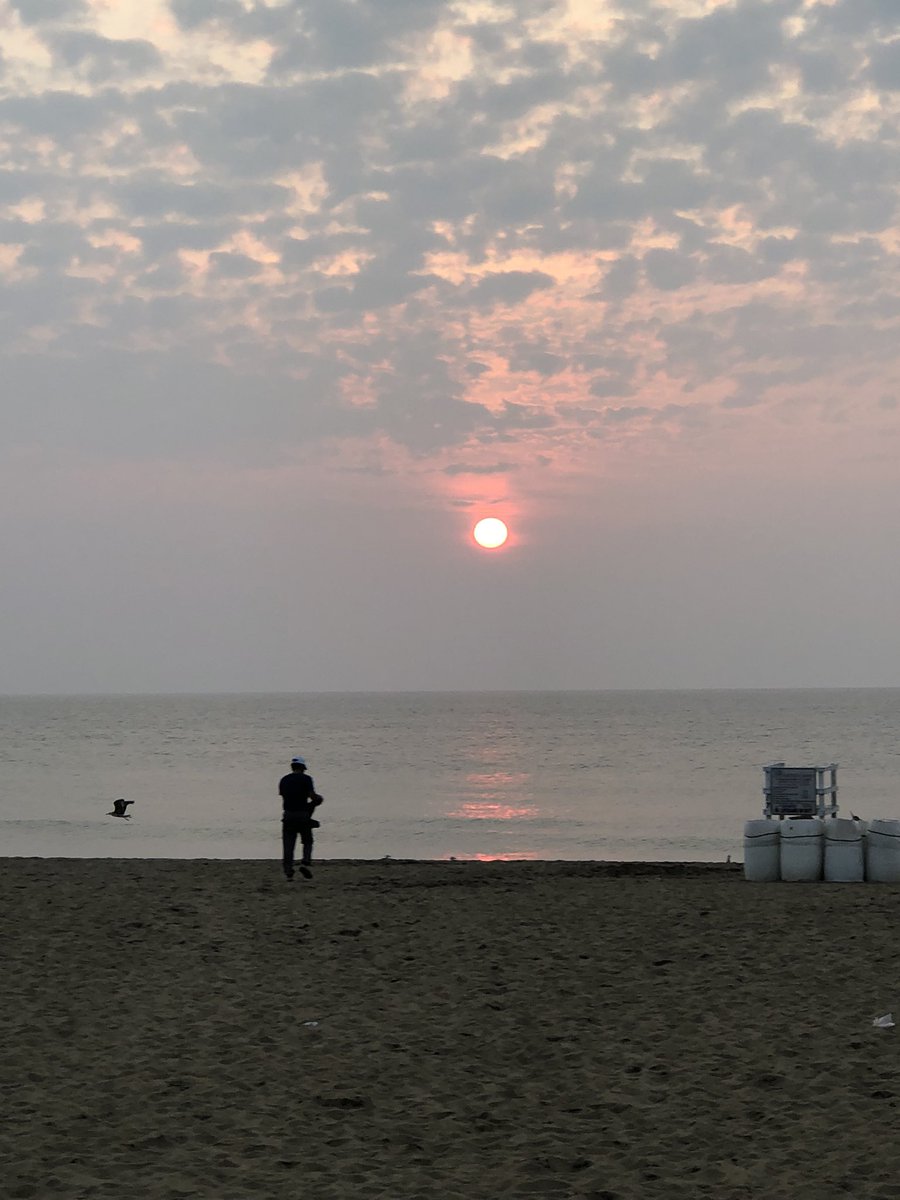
(605, 775)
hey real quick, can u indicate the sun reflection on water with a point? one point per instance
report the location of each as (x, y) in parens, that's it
(491, 810)
(500, 856)
(497, 785)
(495, 792)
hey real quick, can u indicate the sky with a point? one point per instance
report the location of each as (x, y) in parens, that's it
(294, 293)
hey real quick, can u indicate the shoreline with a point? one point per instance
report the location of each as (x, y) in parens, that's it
(202, 1030)
(577, 865)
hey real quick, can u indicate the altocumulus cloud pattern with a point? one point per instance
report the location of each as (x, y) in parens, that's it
(463, 238)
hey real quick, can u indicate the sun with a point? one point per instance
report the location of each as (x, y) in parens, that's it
(490, 533)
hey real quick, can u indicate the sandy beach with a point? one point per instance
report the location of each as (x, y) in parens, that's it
(445, 1030)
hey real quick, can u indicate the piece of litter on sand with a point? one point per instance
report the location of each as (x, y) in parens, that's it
(885, 1022)
(311, 1024)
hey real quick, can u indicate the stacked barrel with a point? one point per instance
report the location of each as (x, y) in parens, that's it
(831, 848)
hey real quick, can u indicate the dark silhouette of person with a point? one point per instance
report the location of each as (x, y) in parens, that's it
(299, 801)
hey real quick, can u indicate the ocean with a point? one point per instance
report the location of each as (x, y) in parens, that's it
(655, 776)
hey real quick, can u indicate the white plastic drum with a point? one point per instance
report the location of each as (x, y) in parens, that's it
(802, 842)
(883, 852)
(844, 854)
(762, 855)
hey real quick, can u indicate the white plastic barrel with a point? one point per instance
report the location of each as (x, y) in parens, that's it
(762, 856)
(844, 855)
(883, 851)
(801, 849)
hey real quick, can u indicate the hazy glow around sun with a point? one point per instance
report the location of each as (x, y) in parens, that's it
(490, 533)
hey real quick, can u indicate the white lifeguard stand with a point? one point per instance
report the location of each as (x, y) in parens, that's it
(800, 791)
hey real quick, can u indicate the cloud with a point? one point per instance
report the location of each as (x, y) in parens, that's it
(341, 34)
(884, 66)
(610, 386)
(622, 278)
(101, 59)
(484, 469)
(60, 116)
(668, 269)
(153, 198)
(34, 12)
(233, 266)
(431, 229)
(511, 416)
(192, 13)
(508, 287)
(525, 357)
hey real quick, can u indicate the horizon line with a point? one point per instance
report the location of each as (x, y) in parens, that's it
(188, 694)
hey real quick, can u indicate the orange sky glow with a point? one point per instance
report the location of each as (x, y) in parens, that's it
(599, 270)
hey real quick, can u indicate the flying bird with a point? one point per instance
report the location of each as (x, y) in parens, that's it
(118, 809)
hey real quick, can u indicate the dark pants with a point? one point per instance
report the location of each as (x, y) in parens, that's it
(290, 829)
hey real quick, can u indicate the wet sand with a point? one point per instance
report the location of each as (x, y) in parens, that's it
(436, 1030)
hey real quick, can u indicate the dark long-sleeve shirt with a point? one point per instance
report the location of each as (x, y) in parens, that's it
(298, 795)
